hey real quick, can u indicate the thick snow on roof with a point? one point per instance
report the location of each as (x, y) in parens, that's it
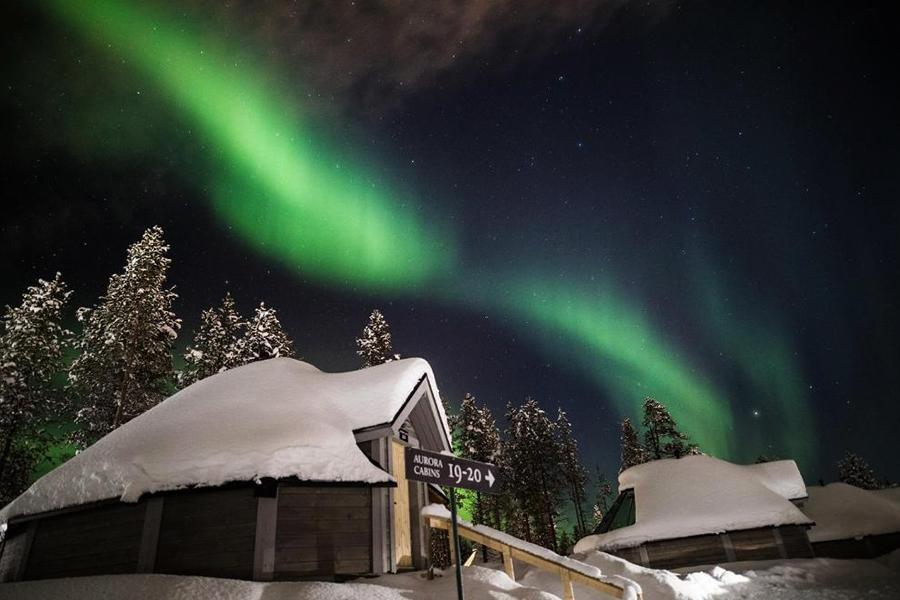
(698, 495)
(274, 418)
(844, 511)
(782, 477)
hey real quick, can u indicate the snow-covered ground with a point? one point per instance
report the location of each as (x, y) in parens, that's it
(806, 579)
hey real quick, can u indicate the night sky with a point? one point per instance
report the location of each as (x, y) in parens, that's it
(586, 204)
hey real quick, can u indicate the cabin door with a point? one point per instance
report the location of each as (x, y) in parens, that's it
(402, 526)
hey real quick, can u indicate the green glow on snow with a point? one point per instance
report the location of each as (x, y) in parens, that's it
(278, 188)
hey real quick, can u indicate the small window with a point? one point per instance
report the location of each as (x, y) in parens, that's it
(620, 515)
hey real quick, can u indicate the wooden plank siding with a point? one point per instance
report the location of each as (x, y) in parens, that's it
(870, 546)
(323, 531)
(98, 541)
(698, 550)
(748, 544)
(15, 551)
(754, 544)
(208, 532)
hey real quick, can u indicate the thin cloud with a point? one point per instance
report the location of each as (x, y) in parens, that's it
(371, 55)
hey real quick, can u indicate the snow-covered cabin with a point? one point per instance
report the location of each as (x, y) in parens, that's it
(852, 522)
(274, 470)
(701, 510)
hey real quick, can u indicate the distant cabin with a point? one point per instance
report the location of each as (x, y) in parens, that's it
(700, 510)
(274, 470)
(852, 522)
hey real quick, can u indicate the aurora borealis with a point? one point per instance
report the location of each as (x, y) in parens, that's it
(634, 268)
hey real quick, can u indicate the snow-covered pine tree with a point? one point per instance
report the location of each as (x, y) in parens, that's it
(31, 347)
(662, 438)
(633, 453)
(532, 453)
(214, 348)
(603, 499)
(476, 437)
(854, 470)
(263, 338)
(124, 365)
(574, 473)
(375, 346)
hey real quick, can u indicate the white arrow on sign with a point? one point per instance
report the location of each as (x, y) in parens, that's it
(490, 478)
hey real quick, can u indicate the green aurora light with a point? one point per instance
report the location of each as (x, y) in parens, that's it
(278, 188)
(292, 198)
(616, 346)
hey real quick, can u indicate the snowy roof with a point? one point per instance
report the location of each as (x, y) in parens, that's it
(698, 495)
(844, 511)
(274, 418)
(781, 476)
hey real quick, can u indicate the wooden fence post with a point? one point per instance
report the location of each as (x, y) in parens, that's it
(508, 563)
(568, 592)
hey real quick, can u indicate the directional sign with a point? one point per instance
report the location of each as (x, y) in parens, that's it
(445, 469)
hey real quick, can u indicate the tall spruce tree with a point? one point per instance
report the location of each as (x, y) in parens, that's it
(263, 338)
(476, 437)
(532, 455)
(854, 470)
(375, 345)
(662, 439)
(633, 453)
(573, 470)
(125, 361)
(603, 499)
(31, 347)
(214, 348)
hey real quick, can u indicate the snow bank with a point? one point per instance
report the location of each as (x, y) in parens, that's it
(844, 511)
(274, 418)
(656, 584)
(698, 495)
(632, 590)
(479, 583)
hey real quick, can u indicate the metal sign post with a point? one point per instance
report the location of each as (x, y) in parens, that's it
(456, 548)
(453, 472)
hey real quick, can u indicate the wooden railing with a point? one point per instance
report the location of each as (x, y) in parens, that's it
(561, 566)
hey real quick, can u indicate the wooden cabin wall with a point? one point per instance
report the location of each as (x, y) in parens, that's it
(14, 552)
(323, 531)
(698, 550)
(869, 546)
(748, 544)
(103, 540)
(208, 532)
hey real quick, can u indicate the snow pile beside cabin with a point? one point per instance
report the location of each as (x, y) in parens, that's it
(844, 511)
(274, 418)
(698, 495)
